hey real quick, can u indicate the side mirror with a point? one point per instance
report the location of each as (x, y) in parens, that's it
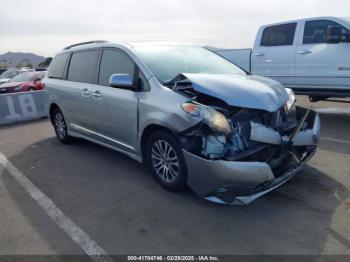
(334, 34)
(121, 81)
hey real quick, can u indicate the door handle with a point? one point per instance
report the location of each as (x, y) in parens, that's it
(96, 94)
(258, 54)
(85, 92)
(304, 52)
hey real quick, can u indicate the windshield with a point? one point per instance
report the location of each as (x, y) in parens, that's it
(166, 62)
(23, 77)
(8, 74)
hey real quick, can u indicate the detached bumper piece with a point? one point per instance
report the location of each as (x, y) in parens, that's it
(241, 182)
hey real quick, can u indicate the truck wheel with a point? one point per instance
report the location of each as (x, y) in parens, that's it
(166, 161)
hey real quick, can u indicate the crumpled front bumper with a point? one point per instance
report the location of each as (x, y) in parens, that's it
(308, 136)
(240, 183)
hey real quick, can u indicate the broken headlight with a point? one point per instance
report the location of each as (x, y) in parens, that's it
(291, 100)
(214, 119)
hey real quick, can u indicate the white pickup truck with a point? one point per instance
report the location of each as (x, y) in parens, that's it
(311, 56)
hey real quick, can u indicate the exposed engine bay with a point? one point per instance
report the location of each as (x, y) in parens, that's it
(233, 133)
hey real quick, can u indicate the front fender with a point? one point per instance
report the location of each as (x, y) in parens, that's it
(162, 106)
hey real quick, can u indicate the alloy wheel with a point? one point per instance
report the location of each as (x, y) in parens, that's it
(165, 161)
(60, 126)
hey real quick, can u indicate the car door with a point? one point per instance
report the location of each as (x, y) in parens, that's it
(115, 109)
(320, 64)
(81, 79)
(274, 53)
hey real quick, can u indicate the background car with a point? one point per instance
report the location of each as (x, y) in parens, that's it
(29, 81)
(7, 75)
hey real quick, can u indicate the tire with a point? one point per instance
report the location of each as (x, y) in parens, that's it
(60, 126)
(166, 161)
(31, 89)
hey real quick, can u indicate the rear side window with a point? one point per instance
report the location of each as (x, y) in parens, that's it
(114, 62)
(57, 66)
(82, 66)
(279, 35)
(315, 32)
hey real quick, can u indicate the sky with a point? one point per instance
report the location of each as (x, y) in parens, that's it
(45, 27)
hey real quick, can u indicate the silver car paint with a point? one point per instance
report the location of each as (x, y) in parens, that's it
(242, 91)
(117, 118)
(118, 124)
(205, 176)
(275, 183)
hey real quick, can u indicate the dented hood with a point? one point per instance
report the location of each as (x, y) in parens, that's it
(241, 91)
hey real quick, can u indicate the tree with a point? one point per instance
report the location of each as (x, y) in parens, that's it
(46, 62)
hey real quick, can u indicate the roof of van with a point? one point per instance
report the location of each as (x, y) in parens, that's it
(102, 43)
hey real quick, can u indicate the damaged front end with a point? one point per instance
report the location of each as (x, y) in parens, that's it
(235, 154)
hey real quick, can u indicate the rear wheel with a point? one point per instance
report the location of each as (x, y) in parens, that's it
(31, 89)
(165, 159)
(60, 127)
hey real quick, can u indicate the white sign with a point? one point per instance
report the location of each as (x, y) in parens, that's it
(26, 108)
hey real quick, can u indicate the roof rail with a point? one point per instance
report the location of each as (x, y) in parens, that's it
(85, 43)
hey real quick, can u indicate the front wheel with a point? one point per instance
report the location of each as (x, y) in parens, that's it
(60, 127)
(166, 161)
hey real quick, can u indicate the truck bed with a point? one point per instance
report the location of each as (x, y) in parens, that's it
(239, 57)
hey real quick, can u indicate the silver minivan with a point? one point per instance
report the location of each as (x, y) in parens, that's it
(193, 117)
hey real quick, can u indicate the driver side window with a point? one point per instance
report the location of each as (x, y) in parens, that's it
(114, 62)
(315, 32)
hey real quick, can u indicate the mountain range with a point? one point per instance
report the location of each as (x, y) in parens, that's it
(19, 59)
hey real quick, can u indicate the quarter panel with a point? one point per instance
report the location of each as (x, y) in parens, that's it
(56, 93)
